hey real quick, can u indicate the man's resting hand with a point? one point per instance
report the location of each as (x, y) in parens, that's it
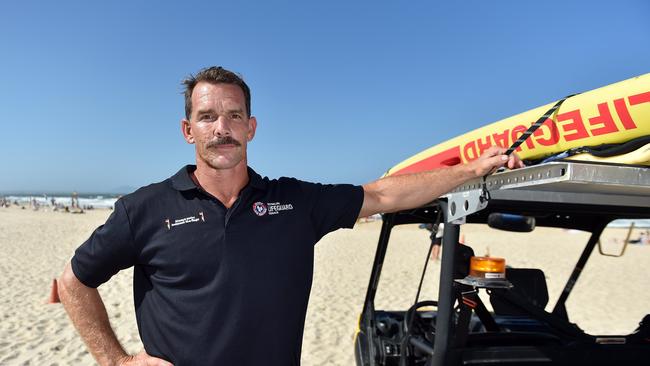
(493, 159)
(143, 359)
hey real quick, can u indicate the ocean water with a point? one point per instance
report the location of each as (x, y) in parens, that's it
(95, 200)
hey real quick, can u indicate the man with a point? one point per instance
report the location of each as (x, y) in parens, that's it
(223, 257)
(436, 239)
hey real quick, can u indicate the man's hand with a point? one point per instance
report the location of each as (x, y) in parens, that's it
(143, 359)
(493, 159)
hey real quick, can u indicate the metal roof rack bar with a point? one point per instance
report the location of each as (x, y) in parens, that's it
(557, 182)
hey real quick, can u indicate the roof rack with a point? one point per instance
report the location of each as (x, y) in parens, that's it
(556, 182)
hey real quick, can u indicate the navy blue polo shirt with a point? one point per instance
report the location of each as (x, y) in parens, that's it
(217, 286)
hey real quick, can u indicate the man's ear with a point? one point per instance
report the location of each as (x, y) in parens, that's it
(186, 129)
(252, 126)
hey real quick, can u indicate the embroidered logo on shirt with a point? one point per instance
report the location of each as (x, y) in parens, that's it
(259, 208)
(184, 220)
(276, 207)
(272, 208)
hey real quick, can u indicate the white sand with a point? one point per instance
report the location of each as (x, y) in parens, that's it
(610, 297)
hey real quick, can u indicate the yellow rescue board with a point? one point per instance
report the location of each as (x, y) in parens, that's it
(612, 114)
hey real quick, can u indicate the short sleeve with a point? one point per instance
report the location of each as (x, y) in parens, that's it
(109, 249)
(333, 206)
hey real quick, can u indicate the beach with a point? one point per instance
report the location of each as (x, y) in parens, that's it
(609, 298)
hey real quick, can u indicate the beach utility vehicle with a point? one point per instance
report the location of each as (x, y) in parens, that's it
(508, 323)
(588, 160)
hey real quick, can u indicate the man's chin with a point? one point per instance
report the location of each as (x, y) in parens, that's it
(221, 164)
(220, 161)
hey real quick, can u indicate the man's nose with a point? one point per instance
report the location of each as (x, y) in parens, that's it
(222, 126)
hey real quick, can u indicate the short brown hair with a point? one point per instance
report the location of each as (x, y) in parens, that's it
(214, 75)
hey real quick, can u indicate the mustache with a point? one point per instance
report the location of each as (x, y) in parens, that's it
(227, 140)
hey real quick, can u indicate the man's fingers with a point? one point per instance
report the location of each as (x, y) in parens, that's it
(512, 162)
(494, 163)
(495, 158)
(516, 163)
(143, 359)
(494, 151)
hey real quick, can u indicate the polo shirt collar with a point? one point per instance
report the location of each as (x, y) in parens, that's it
(255, 180)
(182, 181)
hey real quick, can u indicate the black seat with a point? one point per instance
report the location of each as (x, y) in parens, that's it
(529, 284)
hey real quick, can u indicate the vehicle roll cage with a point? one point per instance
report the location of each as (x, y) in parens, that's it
(571, 195)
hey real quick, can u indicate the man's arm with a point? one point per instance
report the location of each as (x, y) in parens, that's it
(88, 314)
(406, 191)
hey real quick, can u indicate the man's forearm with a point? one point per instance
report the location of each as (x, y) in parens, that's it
(395, 193)
(401, 192)
(88, 314)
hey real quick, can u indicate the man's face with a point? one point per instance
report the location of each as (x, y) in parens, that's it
(219, 125)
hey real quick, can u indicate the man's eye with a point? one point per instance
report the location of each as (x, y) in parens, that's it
(235, 116)
(206, 117)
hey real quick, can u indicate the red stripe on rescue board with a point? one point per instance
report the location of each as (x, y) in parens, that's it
(639, 98)
(624, 114)
(604, 119)
(448, 157)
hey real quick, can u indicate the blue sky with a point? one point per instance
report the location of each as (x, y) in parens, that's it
(90, 94)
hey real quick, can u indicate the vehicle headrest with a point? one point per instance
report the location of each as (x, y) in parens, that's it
(529, 283)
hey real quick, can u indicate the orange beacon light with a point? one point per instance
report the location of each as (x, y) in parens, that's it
(488, 272)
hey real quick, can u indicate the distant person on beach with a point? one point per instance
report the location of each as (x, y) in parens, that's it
(222, 257)
(436, 241)
(644, 238)
(74, 200)
(33, 204)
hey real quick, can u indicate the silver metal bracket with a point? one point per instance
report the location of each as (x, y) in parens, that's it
(461, 204)
(485, 283)
(460, 221)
